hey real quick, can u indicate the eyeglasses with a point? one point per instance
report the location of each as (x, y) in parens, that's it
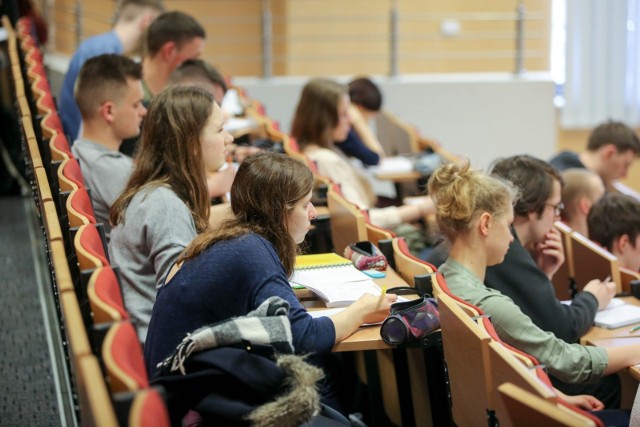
(557, 209)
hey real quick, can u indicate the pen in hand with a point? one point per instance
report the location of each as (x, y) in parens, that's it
(382, 294)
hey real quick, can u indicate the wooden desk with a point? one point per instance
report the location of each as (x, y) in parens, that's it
(397, 378)
(617, 337)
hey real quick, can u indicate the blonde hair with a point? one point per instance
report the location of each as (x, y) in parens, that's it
(462, 193)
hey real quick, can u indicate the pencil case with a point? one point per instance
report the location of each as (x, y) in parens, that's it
(366, 256)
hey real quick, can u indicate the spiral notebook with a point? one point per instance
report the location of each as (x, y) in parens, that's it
(333, 278)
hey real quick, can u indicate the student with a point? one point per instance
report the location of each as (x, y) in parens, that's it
(109, 96)
(612, 148)
(614, 223)
(535, 255)
(199, 72)
(475, 211)
(230, 271)
(321, 118)
(132, 19)
(582, 188)
(171, 39)
(166, 201)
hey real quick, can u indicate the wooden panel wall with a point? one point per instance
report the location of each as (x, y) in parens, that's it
(345, 37)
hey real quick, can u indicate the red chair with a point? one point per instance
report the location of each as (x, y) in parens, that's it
(105, 297)
(123, 359)
(148, 410)
(79, 208)
(59, 147)
(70, 175)
(89, 248)
(50, 123)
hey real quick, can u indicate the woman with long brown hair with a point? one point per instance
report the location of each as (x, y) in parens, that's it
(166, 201)
(229, 271)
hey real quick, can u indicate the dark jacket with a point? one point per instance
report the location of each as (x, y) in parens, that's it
(520, 278)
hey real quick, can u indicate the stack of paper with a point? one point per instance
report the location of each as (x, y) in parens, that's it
(617, 314)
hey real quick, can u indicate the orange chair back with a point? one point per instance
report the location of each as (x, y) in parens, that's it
(89, 248)
(105, 296)
(123, 359)
(79, 208)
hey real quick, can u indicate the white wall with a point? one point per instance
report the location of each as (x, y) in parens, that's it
(481, 116)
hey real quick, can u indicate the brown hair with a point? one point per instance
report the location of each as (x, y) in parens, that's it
(198, 71)
(613, 216)
(461, 193)
(365, 93)
(578, 183)
(104, 78)
(532, 176)
(129, 10)
(170, 151)
(264, 191)
(316, 115)
(177, 27)
(616, 133)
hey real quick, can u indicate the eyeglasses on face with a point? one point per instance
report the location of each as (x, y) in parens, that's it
(557, 209)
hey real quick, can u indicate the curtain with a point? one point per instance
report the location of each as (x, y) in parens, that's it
(602, 63)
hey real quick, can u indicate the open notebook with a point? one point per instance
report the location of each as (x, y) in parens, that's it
(333, 278)
(617, 314)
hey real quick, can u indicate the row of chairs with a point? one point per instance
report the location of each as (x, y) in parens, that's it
(107, 374)
(488, 378)
(595, 262)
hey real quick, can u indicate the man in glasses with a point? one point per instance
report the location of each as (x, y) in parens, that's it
(535, 255)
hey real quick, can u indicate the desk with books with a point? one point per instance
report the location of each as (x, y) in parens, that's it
(617, 337)
(399, 378)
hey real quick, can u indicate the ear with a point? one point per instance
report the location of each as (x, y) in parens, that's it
(484, 223)
(107, 111)
(584, 205)
(168, 50)
(622, 243)
(607, 151)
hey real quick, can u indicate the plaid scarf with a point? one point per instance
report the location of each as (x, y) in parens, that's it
(266, 325)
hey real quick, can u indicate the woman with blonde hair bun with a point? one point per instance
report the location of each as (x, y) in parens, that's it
(475, 211)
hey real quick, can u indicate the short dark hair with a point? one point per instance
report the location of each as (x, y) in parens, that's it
(613, 216)
(198, 70)
(533, 177)
(173, 26)
(103, 78)
(365, 93)
(616, 133)
(128, 10)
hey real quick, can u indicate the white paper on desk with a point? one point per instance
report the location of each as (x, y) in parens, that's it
(397, 164)
(617, 315)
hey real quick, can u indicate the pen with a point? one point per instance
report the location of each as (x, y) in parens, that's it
(384, 292)
(634, 329)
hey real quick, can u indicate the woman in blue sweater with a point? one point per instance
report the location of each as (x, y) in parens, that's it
(230, 271)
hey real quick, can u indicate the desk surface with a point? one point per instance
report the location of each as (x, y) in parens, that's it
(366, 337)
(617, 337)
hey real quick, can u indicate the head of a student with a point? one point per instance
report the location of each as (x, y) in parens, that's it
(614, 223)
(472, 205)
(137, 15)
(270, 196)
(365, 95)
(176, 37)
(539, 203)
(321, 116)
(109, 93)
(199, 72)
(182, 140)
(582, 188)
(616, 146)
